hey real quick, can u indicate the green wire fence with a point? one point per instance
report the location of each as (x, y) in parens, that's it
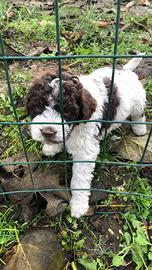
(59, 58)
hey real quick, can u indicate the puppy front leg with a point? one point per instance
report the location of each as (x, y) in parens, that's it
(82, 174)
(81, 180)
(51, 149)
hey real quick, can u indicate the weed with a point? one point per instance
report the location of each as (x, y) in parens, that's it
(148, 88)
(100, 41)
(4, 9)
(136, 243)
(7, 230)
(72, 238)
(142, 205)
(91, 264)
(10, 133)
(11, 230)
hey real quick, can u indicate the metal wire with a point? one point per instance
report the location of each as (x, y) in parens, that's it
(5, 59)
(60, 81)
(113, 74)
(76, 122)
(10, 93)
(113, 163)
(72, 56)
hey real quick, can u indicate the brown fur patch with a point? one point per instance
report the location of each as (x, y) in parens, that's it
(78, 104)
(77, 101)
(38, 94)
(115, 101)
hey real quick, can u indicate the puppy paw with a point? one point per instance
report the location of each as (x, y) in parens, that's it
(139, 130)
(49, 150)
(79, 208)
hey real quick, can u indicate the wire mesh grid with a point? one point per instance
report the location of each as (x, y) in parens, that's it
(59, 58)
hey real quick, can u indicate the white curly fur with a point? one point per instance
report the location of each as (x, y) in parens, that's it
(83, 143)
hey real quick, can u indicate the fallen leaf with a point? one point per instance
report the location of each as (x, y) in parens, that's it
(145, 40)
(131, 147)
(146, 172)
(128, 6)
(10, 14)
(55, 205)
(145, 3)
(101, 24)
(40, 50)
(20, 170)
(72, 37)
(126, 26)
(38, 249)
(10, 51)
(44, 178)
(45, 23)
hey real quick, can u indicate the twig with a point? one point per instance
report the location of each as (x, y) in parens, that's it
(74, 63)
(73, 265)
(112, 205)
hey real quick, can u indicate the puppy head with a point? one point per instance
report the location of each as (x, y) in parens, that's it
(44, 105)
(78, 104)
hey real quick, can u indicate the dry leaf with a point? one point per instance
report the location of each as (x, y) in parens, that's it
(131, 147)
(128, 6)
(44, 178)
(145, 40)
(145, 3)
(101, 24)
(73, 37)
(126, 27)
(10, 51)
(10, 15)
(55, 205)
(20, 169)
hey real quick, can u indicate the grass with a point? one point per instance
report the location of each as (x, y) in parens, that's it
(29, 27)
(11, 136)
(148, 88)
(134, 242)
(26, 27)
(8, 228)
(96, 40)
(12, 229)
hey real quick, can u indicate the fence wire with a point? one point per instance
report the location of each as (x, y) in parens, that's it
(59, 58)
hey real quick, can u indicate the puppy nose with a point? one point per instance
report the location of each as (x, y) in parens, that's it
(48, 132)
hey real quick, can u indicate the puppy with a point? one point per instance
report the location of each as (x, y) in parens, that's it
(84, 98)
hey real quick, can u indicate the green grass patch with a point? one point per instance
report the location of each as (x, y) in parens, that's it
(96, 40)
(10, 133)
(8, 230)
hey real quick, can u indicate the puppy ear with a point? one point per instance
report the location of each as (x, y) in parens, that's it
(55, 88)
(88, 105)
(38, 95)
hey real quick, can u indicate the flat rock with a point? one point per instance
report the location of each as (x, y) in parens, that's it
(38, 250)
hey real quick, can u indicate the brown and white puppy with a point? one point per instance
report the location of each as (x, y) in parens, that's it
(83, 98)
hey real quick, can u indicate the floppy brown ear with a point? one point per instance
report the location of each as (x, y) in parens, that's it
(88, 105)
(38, 94)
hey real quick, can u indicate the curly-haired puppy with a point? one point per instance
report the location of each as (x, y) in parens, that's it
(85, 98)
